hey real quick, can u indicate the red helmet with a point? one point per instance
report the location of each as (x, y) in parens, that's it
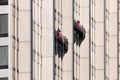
(78, 24)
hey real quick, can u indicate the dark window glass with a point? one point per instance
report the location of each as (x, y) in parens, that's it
(3, 2)
(3, 57)
(3, 78)
(3, 25)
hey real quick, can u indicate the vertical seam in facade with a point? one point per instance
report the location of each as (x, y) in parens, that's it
(53, 40)
(31, 40)
(89, 39)
(72, 40)
(118, 39)
(104, 39)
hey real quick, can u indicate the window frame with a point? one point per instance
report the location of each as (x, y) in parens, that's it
(4, 34)
(4, 78)
(3, 2)
(4, 66)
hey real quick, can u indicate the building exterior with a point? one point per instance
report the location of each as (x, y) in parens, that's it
(29, 49)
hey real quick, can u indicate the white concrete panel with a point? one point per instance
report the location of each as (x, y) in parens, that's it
(24, 76)
(24, 4)
(4, 73)
(113, 68)
(84, 3)
(24, 26)
(84, 69)
(67, 75)
(113, 46)
(99, 75)
(84, 17)
(56, 78)
(99, 33)
(112, 6)
(113, 24)
(4, 9)
(67, 8)
(67, 28)
(43, 46)
(99, 10)
(24, 57)
(44, 12)
(49, 42)
(44, 71)
(4, 41)
(99, 57)
(49, 68)
(49, 14)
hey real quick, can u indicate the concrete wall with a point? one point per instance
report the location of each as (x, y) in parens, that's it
(24, 34)
(95, 59)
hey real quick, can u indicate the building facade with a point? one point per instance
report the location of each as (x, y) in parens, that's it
(29, 49)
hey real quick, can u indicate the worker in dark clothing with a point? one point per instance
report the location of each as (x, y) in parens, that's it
(62, 40)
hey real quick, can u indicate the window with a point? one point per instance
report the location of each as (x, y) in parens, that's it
(3, 25)
(3, 57)
(3, 78)
(3, 2)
